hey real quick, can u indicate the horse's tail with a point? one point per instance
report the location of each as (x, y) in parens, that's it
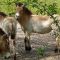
(13, 30)
(12, 34)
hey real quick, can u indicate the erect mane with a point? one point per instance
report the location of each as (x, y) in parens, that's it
(27, 11)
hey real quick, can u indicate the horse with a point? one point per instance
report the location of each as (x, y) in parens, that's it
(8, 25)
(32, 23)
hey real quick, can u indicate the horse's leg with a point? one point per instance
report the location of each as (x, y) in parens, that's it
(14, 51)
(56, 49)
(27, 42)
(14, 45)
(57, 44)
(13, 35)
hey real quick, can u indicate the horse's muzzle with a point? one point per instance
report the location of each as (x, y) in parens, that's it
(17, 16)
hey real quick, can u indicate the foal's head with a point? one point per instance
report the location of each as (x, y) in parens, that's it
(22, 10)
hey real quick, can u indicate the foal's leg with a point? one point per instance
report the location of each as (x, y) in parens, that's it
(27, 42)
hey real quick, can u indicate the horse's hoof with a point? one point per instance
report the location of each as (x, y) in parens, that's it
(28, 49)
(15, 57)
(7, 56)
(56, 50)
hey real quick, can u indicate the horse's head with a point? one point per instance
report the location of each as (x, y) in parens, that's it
(19, 9)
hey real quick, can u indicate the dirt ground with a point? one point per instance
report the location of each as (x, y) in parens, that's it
(37, 41)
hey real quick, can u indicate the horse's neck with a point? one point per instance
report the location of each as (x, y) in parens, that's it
(24, 19)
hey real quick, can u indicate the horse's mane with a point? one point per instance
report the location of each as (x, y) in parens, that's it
(3, 14)
(25, 10)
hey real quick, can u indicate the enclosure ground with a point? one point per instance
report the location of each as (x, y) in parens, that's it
(37, 41)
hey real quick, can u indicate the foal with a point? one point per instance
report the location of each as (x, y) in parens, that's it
(32, 23)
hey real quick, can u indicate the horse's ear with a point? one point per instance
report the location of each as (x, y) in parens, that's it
(19, 4)
(23, 5)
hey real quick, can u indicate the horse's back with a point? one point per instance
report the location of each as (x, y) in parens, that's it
(10, 19)
(40, 17)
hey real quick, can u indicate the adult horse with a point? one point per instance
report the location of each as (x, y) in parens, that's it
(32, 23)
(8, 25)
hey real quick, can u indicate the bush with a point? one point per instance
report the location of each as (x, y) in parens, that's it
(40, 51)
(52, 9)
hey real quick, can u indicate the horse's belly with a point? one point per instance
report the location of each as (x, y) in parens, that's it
(37, 26)
(42, 27)
(42, 30)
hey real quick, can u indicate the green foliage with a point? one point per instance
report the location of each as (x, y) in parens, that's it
(36, 6)
(40, 51)
(52, 8)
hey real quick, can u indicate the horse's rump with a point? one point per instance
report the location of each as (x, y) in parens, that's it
(8, 25)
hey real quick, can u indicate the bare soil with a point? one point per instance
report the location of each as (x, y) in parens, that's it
(37, 41)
